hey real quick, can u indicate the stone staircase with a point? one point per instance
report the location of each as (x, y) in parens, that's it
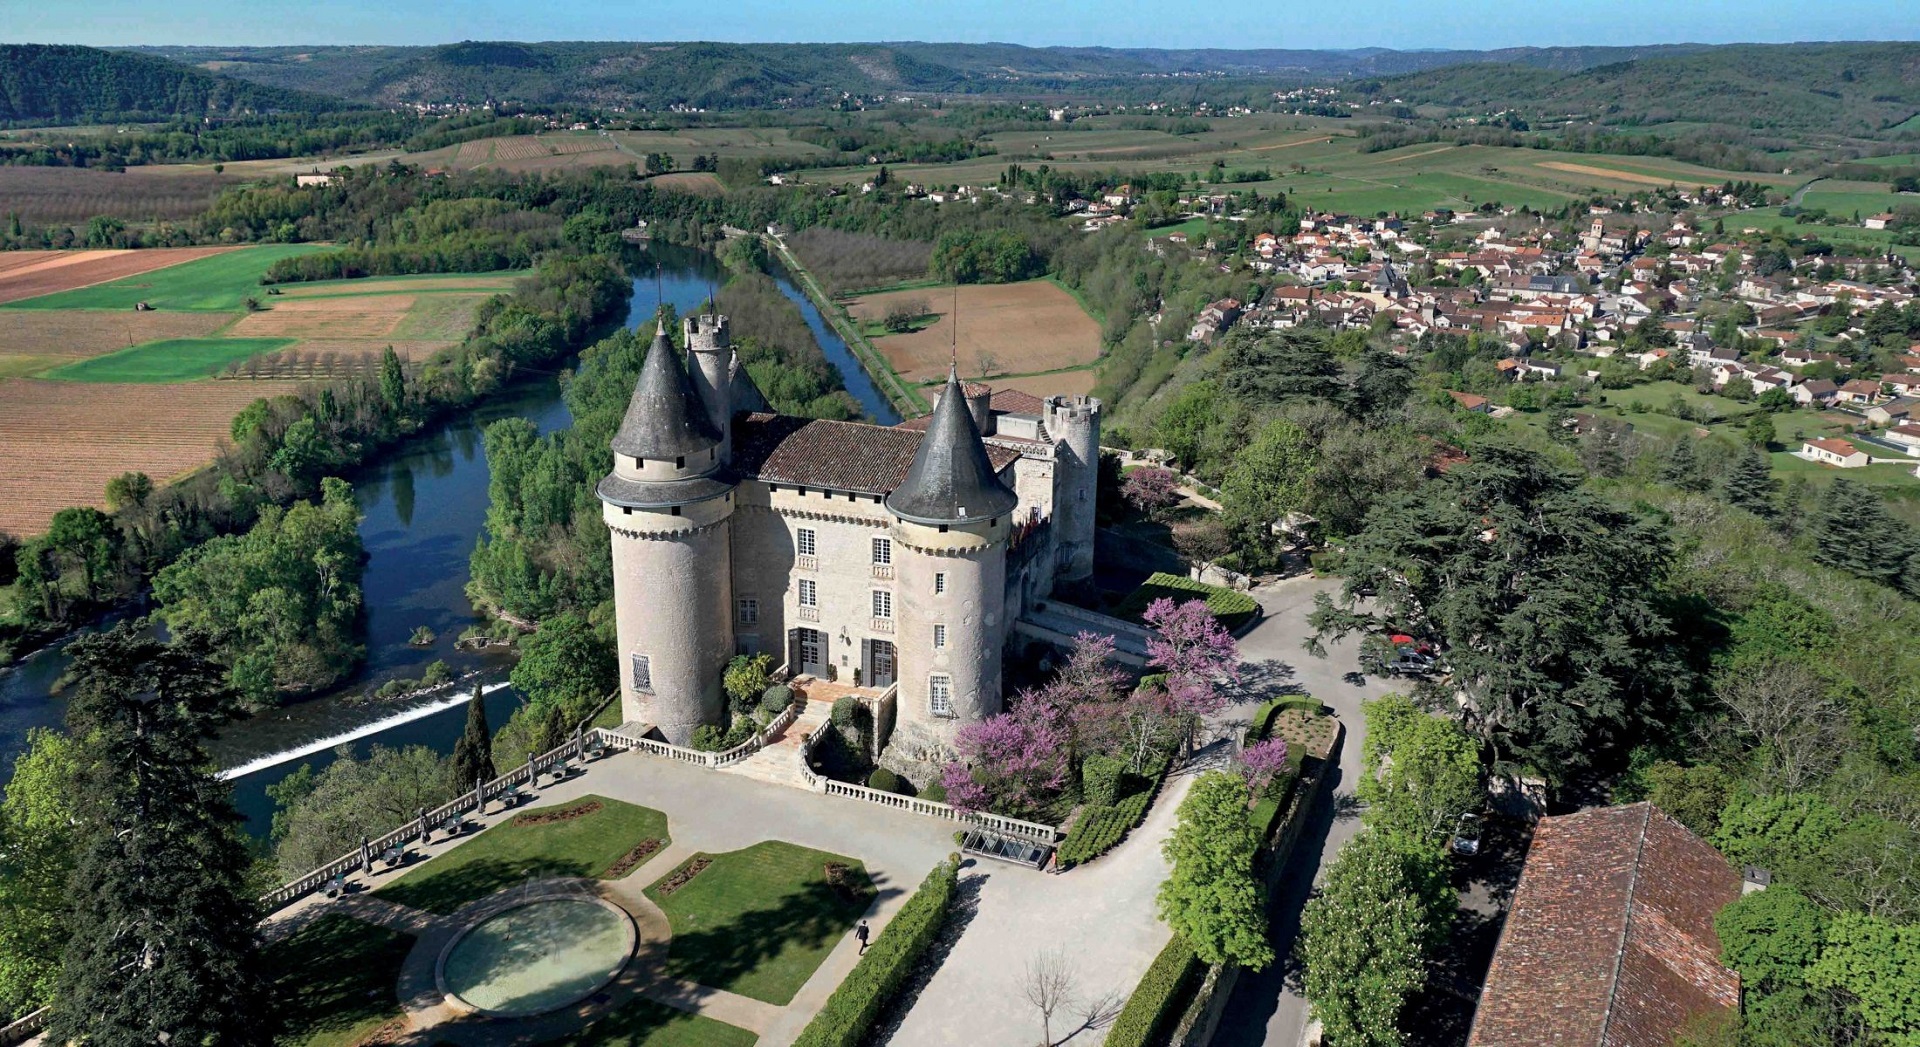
(779, 760)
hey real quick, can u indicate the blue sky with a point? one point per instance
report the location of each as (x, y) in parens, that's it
(1113, 23)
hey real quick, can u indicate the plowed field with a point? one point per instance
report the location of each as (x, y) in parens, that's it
(34, 340)
(27, 274)
(60, 442)
(1020, 328)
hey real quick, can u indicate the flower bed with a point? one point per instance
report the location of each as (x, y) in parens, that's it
(684, 875)
(632, 859)
(560, 814)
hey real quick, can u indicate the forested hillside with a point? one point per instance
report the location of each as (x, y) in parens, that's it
(727, 76)
(1857, 89)
(67, 84)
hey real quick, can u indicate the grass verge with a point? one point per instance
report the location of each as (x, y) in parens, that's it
(643, 1023)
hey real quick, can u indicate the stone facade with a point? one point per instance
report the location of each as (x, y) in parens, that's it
(865, 554)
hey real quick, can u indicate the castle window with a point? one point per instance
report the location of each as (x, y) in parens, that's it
(806, 542)
(939, 637)
(940, 694)
(809, 593)
(882, 551)
(939, 583)
(749, 610)
(642, 674)
(882, 603)
(680, 462)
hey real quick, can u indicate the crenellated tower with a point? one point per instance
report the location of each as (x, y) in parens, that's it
(669, 503)
(1074, 423)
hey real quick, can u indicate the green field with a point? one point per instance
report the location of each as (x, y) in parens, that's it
(219, 283)
(1770, 219)
(1896, 160)
(168, 360)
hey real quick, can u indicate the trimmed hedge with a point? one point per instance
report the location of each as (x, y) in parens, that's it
(1262, 722)
(853, 1008)
(1157, 1001)
(888, 782)
(1101, 827)
(1100, 778)
(1232, 607)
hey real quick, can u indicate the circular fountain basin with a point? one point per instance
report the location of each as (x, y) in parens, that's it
(536, 956)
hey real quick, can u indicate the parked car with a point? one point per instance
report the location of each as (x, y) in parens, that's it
(1466, 836)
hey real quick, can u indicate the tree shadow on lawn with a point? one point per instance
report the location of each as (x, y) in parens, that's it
(335, 975)
(965, 906)
(769, 953)
(445, 890)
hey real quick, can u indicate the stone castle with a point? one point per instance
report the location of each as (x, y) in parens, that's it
(877, 556)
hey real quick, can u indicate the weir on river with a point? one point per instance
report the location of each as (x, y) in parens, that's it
(424, 504)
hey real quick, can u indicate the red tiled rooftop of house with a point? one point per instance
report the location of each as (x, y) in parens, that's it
(1610, 942)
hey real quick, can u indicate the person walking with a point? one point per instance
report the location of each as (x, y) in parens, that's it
(861, 933)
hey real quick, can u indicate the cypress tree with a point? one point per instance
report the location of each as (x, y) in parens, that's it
(473, 753)
(164, 947)
(393, 381)
(1683, 467)
(1749, 484)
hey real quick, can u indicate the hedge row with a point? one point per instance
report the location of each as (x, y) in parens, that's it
(1157, 1001)
(854, 1006)
(1100, 828)
(1262, 722)
(1232, 607)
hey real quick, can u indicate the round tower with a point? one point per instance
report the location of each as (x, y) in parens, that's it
(669, 504)
(1074, 424)
(952, 517)
(710, 350)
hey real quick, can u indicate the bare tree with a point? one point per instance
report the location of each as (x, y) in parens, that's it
(1048, 985)
(1783, 709)
(988, 363)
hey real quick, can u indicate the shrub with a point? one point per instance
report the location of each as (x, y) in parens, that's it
(889, 782)
(745, 680)
(851, 719)
(1100, 779)
(851, 1010)
(775, 699)
(935, 792)
(708, 739)
(1156, 1002)
(1100, 828)
(437, 673)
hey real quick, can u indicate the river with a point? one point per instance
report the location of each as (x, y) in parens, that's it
(423, 506)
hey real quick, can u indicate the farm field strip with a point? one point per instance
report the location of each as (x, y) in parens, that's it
(486, 283)
(215, 279)
(1607, 173)
(60, 442)
(169, 360)
(374, 317)
(54, 272)
(1049, 329)
(78, 333)
(47, 195)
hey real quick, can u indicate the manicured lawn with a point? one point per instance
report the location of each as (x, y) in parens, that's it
(335, 980)
(511, 853)
(643, 1023)
(1233, 608)
(221, 282)
(759, 921)
(168, 360)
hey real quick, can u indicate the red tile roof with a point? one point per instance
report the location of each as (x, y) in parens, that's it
(842, 456)
(1610, 942)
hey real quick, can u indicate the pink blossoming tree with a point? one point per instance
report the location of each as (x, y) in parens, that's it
(1261, 761)
(1195, 652)
(1150, 489)
(1012, 763)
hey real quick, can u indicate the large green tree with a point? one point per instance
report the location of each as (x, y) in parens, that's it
(279, 605)
(326, 815)
(1268, 370)
(163, 945)
(1422, 771)
(1267, 481)
(38, 838)
(1212, 898)
(1385, 904)
(1854, 531)
(1543, 597)
(472, 759)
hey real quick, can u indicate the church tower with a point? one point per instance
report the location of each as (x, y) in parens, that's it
(669, 504)
(952, 517)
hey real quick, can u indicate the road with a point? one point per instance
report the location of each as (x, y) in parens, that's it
(1266, 1007)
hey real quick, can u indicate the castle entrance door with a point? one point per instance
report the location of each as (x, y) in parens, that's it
(880, 668)
(812, 652)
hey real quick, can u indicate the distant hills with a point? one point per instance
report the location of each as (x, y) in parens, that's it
(65, 84)
(718, 76)
(1826, 89)
(1839, 89)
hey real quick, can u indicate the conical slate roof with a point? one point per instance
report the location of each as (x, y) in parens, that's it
(742, 391)
(951, 480)
(665, 419)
